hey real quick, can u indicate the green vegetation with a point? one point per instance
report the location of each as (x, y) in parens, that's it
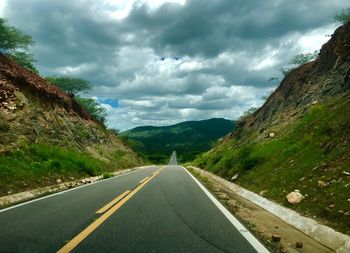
(26, 60)
(12, 39)
(15, 44)
(40, 144)
(107, 175)
(343, 16)
(297, 61)
(204, 179)
(93, 107)
(74, 86)
(114, 131)
(38, 165)
(312, 149)
(30, 165)
(249, 112)
(71, 85)
(301, 59)
(187, 138)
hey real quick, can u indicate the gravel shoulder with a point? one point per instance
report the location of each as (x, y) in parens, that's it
(275, 233)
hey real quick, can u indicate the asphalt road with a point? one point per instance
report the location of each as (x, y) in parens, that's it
(160, 209)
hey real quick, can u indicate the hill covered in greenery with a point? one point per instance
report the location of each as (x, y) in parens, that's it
(298, 140)
(187, 138)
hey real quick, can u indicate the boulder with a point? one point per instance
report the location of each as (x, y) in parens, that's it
(322, 184)
(276, 238)
(58, 181)
(295, 197)
(299, 245)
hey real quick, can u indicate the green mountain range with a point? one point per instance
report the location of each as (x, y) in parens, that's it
(187, 138)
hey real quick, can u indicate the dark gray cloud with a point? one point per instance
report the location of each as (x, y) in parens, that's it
(214, 26)
(180, 60)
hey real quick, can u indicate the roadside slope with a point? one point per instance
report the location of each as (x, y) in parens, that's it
(299, 139)
(45, 136)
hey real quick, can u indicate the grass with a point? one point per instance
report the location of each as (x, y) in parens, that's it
(107, 175)
(41, 164)
(204, 179)
(314, 148)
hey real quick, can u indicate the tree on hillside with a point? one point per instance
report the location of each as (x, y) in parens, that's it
(71, 85)
(343, 16)
(15, 44)
(114, 131)
(93, 107)
(249, 111)
(298, 60)
(301, 59)
(25, 59)
(13, 39)
(74, 86)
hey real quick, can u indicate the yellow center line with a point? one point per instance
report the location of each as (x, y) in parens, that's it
(143, 180)
(110, 204)
(159, 170)
(93, 226)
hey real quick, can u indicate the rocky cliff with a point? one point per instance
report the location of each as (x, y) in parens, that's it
(299, 139)
(327, 76)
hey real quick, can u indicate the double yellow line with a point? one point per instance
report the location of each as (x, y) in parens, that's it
(107, 211)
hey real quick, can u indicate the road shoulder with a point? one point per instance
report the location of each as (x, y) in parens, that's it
(44, 192)
(275, 233)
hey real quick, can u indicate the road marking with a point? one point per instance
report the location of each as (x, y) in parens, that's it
(93, 226)
(258, 246)
(73, 189)
(143, 180)
(110, 204)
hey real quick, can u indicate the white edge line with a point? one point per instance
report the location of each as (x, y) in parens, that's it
(65, 191)
(257, 245)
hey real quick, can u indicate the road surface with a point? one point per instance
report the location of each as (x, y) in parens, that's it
(155, 209)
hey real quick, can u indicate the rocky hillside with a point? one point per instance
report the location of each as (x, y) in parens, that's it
(45, 135)
(299, 139)
(188, 138)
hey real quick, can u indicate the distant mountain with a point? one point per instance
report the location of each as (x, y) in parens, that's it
(187, 138)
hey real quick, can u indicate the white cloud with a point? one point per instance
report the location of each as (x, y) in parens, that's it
(314, 39)
(189, 66)
(76, 70)
(191, 60)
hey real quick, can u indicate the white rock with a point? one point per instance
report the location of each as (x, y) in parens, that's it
(346, 173)
(294, 197)
(234, 177)
(58, 181)
(272, 135)
(262, 193)
(322, 184)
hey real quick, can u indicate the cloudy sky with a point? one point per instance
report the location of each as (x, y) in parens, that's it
(160, 62)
